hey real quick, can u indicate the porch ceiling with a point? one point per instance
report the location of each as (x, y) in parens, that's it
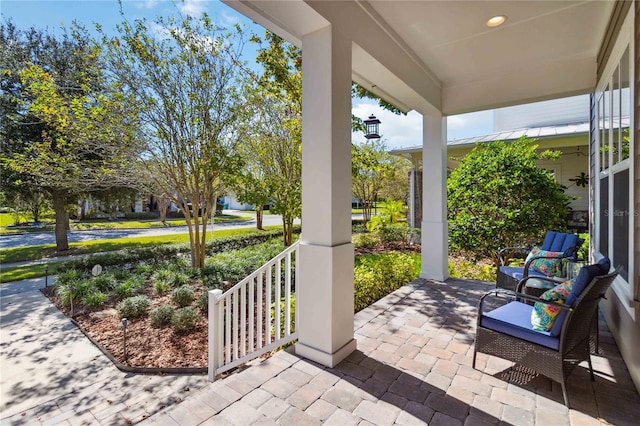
(422, 54)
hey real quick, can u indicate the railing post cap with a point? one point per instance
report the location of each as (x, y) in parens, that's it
(217, 293)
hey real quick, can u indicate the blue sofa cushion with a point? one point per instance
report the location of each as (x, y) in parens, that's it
(514, 319)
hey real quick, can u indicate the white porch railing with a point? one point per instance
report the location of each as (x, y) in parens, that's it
(254, 316)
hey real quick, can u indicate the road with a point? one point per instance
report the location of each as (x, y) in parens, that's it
(48, 237)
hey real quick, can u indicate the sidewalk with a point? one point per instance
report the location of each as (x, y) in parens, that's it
(50, 372)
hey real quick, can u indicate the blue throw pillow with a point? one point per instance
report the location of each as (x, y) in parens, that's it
(584, 278)
(586, 275)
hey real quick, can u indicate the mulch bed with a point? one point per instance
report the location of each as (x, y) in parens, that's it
(148, 346)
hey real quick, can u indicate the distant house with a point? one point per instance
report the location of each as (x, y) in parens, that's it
(561, 124)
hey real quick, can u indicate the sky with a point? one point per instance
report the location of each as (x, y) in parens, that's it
(397, 131)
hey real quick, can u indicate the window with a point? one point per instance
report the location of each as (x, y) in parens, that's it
(613, 197)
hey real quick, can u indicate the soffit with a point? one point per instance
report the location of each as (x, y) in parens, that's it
(443, 53)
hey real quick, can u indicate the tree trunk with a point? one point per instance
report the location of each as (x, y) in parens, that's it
(287, 230)
(259, 215)
(62, 221)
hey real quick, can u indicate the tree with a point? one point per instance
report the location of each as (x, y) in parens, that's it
(64, 131)
(250, 185)
(274, 147)
(371, 167)
(396, 185)
(185, 77)
(498, 197)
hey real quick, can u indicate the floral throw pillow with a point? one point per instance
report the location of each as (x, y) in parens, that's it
(543, 316)
(550, 264)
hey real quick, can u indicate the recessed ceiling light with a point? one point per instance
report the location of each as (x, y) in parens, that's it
(496, 21)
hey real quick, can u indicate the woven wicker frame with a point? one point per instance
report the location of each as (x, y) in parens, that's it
(574, 337)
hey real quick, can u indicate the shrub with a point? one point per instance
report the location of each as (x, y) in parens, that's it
(463, 268)
(104, 283)
(130, 287)
(396, 232)
(161, 287)
(161, 316)
(69, 276)
(375, 276)
(368, 239)
(203, 302)
(234, 265)
(73, 290)
(94, 299)
(292, 314)
(583, 251)
(121, 274)
(133, 307)
(182, 296)
(144, 269)
(499, 197)
(141, 215)
(184, 320)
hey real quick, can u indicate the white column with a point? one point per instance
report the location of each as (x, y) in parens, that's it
(325, 293)
(412, 197)
(435, 244)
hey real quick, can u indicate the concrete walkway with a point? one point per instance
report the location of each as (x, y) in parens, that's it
(50, 373)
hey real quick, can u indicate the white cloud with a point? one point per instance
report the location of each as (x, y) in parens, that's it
(193, 8)
(146, 4)
(227, 19)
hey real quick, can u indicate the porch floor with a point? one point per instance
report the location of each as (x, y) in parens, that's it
(413, 366)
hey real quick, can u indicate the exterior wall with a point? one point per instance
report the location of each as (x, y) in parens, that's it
(624, 327)
(539, 114)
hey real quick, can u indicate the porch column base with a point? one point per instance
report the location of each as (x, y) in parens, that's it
(324, 358)
(435, 248)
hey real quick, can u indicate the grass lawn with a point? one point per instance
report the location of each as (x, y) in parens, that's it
(7, 219)
(89, 247)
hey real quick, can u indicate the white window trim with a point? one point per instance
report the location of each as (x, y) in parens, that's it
(623, 289)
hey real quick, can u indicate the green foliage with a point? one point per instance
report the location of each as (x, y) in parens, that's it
(161, 287)
(182, 296)
(95, 299)
(184, 320)
(499, 197)
(105, 282)
(583, 251)
(366, 239)
(203, 302)
(396, 232)
(292, 314)
(144, 269)
(72, 291)
(234, 265)
(130, 287)
(371, 167)
(161, 316)
(273, 148)
(377, 223)
(187, 87)
(68, 131)
(375, 276)
(133, 307)
(463, 268)
(69, 276)
(394, 209)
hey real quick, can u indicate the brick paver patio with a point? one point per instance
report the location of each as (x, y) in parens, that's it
(412, 366)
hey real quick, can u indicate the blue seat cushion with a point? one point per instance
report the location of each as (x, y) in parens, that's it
(517, 272)
(514, 319)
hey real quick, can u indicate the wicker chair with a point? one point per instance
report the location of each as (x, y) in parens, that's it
(508, 276)
(552, 356)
